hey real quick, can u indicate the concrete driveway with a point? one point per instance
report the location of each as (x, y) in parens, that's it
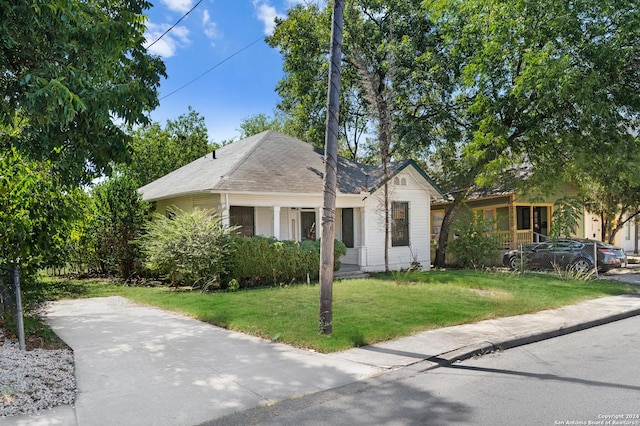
(142, 366)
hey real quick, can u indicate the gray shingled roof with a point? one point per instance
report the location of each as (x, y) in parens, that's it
(266, 162)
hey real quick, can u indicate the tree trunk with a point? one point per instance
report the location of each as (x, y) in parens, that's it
(449, 217)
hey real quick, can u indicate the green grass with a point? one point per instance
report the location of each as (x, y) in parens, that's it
(365, 311)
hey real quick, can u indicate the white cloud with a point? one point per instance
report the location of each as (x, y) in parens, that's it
(170, 42)
(266, 14)
(178, 5)
(210, 28)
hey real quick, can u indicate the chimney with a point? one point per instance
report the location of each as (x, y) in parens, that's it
(213, 155)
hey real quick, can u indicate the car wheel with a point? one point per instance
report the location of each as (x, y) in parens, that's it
(581, 265)
(513, 263)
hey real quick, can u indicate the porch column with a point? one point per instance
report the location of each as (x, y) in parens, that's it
(361, 242)
(224, 210)
(276, 222)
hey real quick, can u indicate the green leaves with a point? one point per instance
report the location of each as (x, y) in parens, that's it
(36, 212)
(156, 151)
(68, 68)
(193, 248)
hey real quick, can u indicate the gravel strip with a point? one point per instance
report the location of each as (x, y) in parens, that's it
(34, 380)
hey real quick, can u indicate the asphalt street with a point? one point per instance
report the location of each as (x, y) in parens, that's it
(587, 377)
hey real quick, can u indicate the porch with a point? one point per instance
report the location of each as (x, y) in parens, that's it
(511, 241)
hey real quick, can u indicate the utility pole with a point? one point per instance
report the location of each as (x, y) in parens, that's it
(330, 173)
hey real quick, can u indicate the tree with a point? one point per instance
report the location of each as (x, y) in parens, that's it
(609, 185)
(157, 151)
(116, 221)
(36, 212)
(381, 41)
(303, 38)
(68, 70)
(536, 82)
(258, 123)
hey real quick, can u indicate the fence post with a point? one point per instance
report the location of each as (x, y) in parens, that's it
(16, 281)
(595, 258)
(521, 259)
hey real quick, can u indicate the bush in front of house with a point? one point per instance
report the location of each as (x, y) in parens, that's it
(473, 247)
(191, 248)
(260, 261)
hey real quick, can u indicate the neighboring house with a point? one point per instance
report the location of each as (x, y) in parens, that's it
(271, 184)
(517, 219)
(520, 218)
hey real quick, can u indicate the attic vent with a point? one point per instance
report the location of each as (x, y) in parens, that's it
(401, 181)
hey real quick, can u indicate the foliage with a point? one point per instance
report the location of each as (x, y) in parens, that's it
(258, 123)
(36, 211)
(157, 151)
(68, 70)
(537, 81)
(474, 246)
(116, 219)
(609, 185)
(191, 248)
(260, 261)
(303, 39)
(567, 213)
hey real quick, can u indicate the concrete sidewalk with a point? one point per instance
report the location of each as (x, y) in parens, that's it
(143, 366)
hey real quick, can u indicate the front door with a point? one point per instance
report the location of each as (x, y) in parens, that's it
(309, 226)
(540, 222)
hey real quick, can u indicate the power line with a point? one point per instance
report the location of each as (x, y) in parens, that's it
(214, 67)
(173, 26)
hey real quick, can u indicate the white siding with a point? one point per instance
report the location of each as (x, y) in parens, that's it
(419, 212)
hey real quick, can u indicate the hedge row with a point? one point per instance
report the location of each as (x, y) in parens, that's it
(261, 261)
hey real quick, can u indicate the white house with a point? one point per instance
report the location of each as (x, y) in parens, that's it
(271, 184)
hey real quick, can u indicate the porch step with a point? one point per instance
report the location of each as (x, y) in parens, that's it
(349, 275)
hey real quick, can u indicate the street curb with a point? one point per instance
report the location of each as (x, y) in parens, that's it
(485, 347)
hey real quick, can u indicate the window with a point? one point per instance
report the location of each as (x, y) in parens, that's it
(399, 223)
(347, 227)
(244, 218)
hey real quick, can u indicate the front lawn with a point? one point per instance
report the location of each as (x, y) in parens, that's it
(364, 311)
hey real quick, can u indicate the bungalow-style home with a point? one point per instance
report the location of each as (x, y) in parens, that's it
(271, 184)
(519, 218)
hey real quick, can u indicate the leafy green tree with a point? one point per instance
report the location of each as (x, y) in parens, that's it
(117, 219)
(68, 70)
(609, 185)
(303, 38)
(381, 42)
(157, 151)
(36, 213)
(540, 82)
(258, 123)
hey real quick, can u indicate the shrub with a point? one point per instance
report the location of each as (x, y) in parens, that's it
(260, 261)
(191, 248)
(474, 247)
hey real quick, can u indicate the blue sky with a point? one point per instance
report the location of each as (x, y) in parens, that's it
(242, 86)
